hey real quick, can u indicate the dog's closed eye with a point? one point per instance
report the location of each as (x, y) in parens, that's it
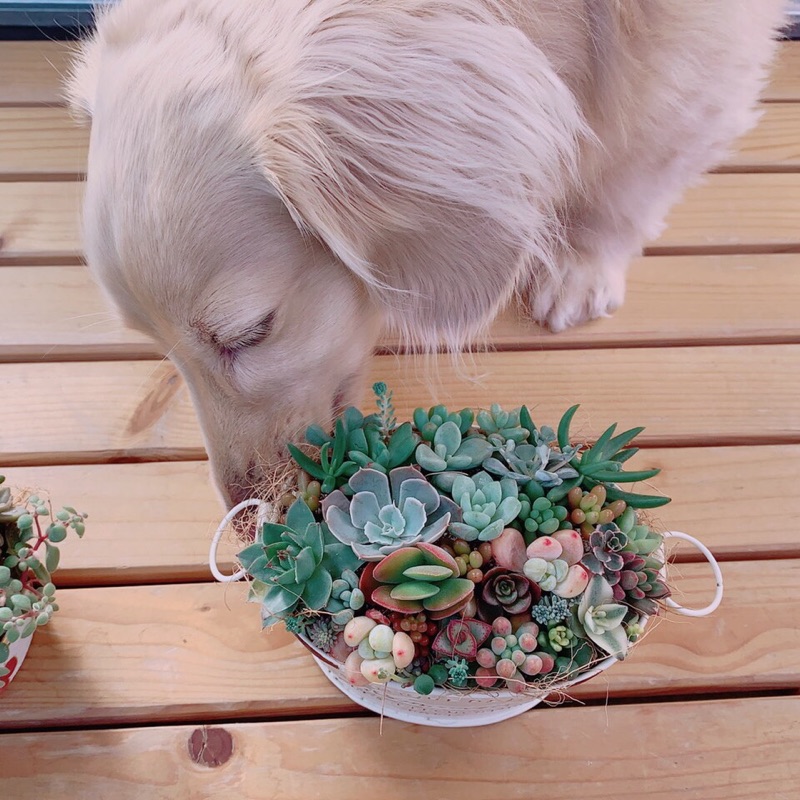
(230, 344)
(252, 335)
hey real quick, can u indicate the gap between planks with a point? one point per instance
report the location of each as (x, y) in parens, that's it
(105, 659)
(710, 500)
(728, 213)
(691, 750)
(700, 301)
(749, 394)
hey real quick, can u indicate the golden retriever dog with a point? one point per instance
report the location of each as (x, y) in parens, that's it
(271, 183)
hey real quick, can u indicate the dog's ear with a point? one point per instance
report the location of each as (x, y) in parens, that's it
(428, 148)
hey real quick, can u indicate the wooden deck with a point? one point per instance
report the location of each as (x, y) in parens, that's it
(147, 650)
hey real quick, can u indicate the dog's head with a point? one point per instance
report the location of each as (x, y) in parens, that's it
(269, 183)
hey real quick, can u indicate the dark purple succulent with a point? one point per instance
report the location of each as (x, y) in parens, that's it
(604, 556)
(504, 593)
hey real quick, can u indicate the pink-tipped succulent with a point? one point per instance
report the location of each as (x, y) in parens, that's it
(420, 578)
(511, 656)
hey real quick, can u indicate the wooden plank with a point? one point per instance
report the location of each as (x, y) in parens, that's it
(33, 72)
(774, 145)
(784, 82)
(41, 142)
(40, 218)
(138, 410)
(47, 142)
(732, 212)
(671, 300)
(692, 751)
(757, 212)
(152, 522)
(194, 652)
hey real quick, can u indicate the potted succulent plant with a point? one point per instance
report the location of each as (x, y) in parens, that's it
(29, 535)
(458, 568)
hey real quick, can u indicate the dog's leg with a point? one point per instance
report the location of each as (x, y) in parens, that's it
(655, 138)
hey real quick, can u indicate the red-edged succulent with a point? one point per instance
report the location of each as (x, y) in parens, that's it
(419, 578)
(462, 637)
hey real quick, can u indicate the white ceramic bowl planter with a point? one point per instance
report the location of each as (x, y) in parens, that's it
(16, 655)
(445, 707)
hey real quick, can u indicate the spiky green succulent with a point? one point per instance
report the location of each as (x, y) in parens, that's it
(322, 634)
(487, 506)
(602, 464)
(295, 564)
(457, 671)
(386, 513)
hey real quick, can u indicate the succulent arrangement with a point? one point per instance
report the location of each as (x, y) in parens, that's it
(30, 532)
(469, 551)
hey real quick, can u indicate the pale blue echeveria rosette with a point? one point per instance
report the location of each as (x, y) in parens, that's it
(386, 513)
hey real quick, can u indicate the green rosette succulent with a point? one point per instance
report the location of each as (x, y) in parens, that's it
(451, 452)
(487, 506)
(505, 424)
(387, 512)
(428, 422)
(295, 564)
(599, 618)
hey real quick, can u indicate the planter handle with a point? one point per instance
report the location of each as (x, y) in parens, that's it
(714, 604)
(227, 519)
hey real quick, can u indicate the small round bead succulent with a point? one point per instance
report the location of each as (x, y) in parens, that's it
(589, 509)
(417, 626)
(471, 559)
(540, 516)
(510, 655)
(557, 638)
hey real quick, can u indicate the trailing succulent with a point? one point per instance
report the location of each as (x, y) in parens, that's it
(295, 563)
(386, 513)
(30, 533)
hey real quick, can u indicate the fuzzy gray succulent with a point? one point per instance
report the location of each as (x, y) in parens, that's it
(387, 512)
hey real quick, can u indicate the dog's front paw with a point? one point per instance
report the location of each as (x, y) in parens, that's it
(584, 294)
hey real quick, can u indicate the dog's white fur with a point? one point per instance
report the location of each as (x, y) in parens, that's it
(350, 164)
